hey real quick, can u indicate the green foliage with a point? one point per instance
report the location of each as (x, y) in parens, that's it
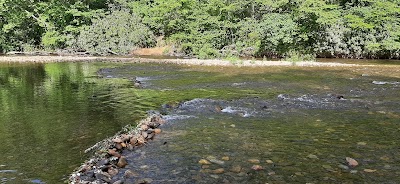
(207, 29)
(116, 33)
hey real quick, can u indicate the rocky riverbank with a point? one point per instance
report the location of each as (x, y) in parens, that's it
(107, 159)
(211, 62)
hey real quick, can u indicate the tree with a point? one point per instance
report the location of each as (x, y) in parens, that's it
(116, 33)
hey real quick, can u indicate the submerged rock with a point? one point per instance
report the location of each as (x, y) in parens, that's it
(215, 160)
(257, 167)
(311, 156)
(254, 161)
(218, 171)
(351, 162)
(236, 169)
(370, 170)
(225, 158)
(204, 162)
(130, 174)
(269, 161)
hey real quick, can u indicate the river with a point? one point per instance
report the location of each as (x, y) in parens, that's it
(298, 123)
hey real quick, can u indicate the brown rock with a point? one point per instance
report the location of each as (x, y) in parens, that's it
(157, 130)
(144, 127)
(114, 153)
(257, 167)
(122, 162)
(269, 161)
(236, 169)
(254, 161)
(123, 145)
(141, 140)
(118, 146)
(218, 171)
(117, 140)
(125, 137)
(133, 140)
(370, 170)
(226, 158)
(204, 162)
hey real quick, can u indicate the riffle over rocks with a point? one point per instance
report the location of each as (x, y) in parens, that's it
(108, 159)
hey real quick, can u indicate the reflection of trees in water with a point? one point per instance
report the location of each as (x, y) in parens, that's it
(51, 112)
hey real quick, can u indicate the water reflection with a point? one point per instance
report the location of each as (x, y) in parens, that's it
(49, 113)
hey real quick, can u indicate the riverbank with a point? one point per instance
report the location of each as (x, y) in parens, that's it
(211, 62)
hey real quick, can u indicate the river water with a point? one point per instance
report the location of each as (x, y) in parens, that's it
(299, 124)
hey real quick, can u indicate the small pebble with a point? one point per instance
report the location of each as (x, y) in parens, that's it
(226, 158)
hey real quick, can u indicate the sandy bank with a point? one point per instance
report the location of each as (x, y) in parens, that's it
(212, 62)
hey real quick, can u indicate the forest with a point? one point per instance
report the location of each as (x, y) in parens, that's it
(300, 29)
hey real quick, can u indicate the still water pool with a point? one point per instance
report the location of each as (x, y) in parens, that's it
(298, 124)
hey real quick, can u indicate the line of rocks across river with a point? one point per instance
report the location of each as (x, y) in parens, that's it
(104, 166)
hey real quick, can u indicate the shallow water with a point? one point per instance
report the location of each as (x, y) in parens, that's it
(305, 121)
(299, 123)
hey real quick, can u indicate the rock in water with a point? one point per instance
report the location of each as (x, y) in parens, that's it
(122, 162)
(269, 161)
(226, 158)
(114, 153)
(351, 162)
(311, 156)
(204, 162)
(215, 160)
(112, 172)
(369, 170)
(117, 140)
(157, 130)
(218, 171)
(257, 167)
(254, 161)
(236, 169)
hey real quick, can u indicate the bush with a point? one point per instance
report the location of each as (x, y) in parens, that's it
(116, 33)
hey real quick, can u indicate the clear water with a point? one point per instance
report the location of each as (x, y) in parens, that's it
(291, 116)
